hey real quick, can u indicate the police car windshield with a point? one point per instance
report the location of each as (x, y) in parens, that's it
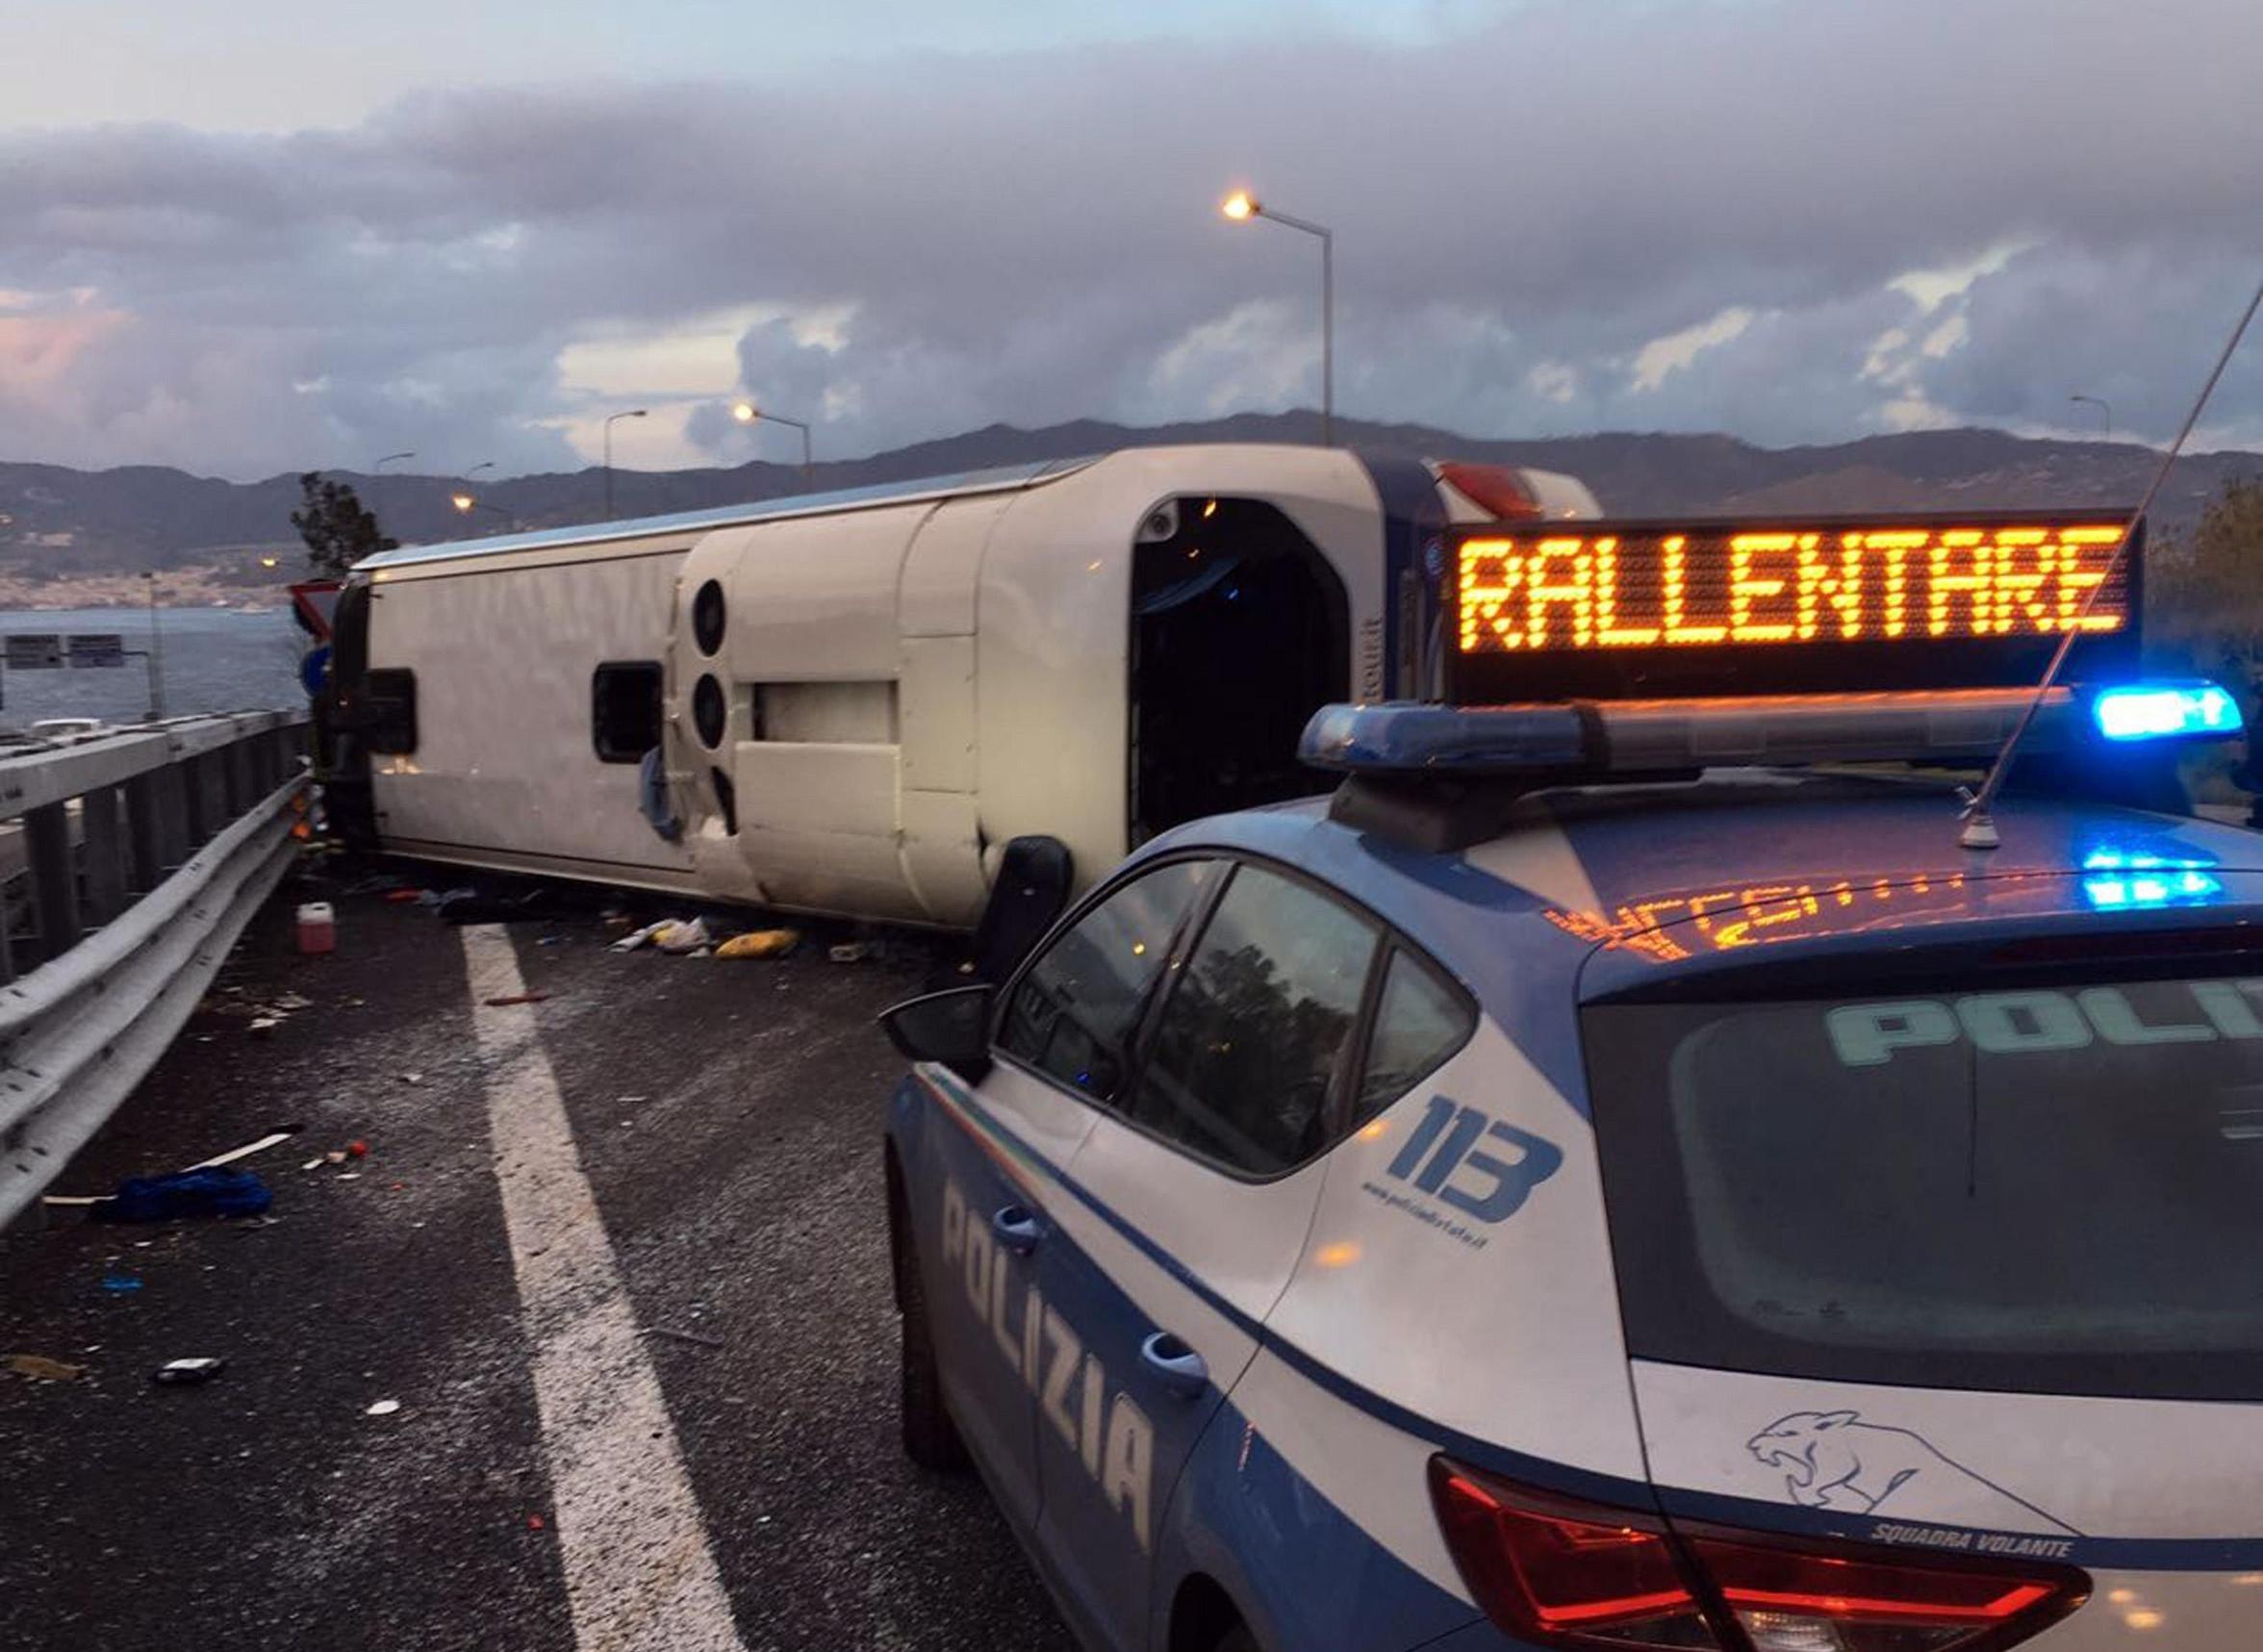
(2054, 1186)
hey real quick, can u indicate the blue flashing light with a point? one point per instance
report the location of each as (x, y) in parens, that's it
(2130, 879)
(1444, 739)
(2166, 711)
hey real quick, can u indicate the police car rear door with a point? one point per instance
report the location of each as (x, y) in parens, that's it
(1191, 1200)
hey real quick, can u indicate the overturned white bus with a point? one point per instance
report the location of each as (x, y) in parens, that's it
(847, 703)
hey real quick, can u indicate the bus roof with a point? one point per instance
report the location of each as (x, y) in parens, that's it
(999, 479)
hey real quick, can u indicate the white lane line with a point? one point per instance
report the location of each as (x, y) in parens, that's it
(639, 1572)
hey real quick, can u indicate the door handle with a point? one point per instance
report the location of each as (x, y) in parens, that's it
(1177, 1366)
(1018, 1229)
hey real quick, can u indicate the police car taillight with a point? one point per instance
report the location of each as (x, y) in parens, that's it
(1565, 1573)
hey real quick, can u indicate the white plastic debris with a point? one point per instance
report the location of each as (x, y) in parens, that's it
(636, 938)
(382, 1409)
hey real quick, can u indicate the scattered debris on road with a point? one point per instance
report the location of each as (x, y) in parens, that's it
(691, 1337)
(382, 1408)
(271, 1140)
(186, 1373)
(849, 952)
(668, 935)
(760, 943)
(185, 1195)
(120, 1284)
(318, 929)
(510, 999)
(41, 1369)
(385, 883)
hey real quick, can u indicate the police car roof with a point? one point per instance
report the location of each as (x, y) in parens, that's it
(1716, 872)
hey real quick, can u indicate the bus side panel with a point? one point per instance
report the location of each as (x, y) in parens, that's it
(504, 662)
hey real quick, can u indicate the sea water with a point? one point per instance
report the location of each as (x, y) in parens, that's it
(214, 659)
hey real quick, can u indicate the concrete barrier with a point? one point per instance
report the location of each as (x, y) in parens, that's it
(141, 857)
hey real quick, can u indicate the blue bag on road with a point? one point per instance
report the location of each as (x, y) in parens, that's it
(184, 1194)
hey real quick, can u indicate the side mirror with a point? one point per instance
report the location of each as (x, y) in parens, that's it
(952, 1027)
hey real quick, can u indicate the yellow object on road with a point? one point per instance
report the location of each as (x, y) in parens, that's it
(760, 943)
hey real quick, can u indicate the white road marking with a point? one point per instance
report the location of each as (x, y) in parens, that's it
(640, 1576)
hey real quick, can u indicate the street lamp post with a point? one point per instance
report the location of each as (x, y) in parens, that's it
(2100, 403)
(157, 706)
(632, 413)
(377, 471)
(1241, 206)
(747, 413)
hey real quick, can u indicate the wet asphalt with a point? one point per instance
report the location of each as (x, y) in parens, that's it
(728, 1116)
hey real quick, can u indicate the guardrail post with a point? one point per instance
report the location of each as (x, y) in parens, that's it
(145, 830)
(103, 854)
(203, 812)
(242, 781)
(55, 878)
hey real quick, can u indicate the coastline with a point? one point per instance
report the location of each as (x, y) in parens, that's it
(217, 586)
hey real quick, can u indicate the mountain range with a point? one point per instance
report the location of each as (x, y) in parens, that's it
(57, 521)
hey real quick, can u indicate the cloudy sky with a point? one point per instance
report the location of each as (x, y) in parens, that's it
(269, 234)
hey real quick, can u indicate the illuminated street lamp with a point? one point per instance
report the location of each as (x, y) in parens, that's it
(1241, 206)
(2103, 406)
(747, 413)
(465, 502)
(610, 417)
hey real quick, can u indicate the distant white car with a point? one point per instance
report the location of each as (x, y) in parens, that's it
(67, 728)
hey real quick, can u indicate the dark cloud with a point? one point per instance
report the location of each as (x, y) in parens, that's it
(1520, 212)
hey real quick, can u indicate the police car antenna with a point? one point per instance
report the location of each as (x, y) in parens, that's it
(1979, 828)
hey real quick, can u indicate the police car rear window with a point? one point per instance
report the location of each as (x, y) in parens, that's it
(2052, 1185)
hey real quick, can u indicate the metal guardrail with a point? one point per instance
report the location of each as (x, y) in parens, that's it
(142, 854)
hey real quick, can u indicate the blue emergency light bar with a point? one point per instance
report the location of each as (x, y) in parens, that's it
(2166, 711)
(1582, 741)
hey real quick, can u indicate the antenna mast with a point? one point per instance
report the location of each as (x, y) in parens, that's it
(1979, 829)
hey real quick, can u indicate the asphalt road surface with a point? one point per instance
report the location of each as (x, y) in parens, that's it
(661, 1144)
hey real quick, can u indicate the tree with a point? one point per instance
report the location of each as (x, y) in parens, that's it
(2203, 598)
(2204, 591)
(339, 530)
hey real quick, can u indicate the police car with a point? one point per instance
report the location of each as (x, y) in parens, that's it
(1624, 1173)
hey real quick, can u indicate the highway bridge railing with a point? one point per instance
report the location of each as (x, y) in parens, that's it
(129, 863)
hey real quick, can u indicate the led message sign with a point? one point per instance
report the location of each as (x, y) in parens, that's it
(1604, 609)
